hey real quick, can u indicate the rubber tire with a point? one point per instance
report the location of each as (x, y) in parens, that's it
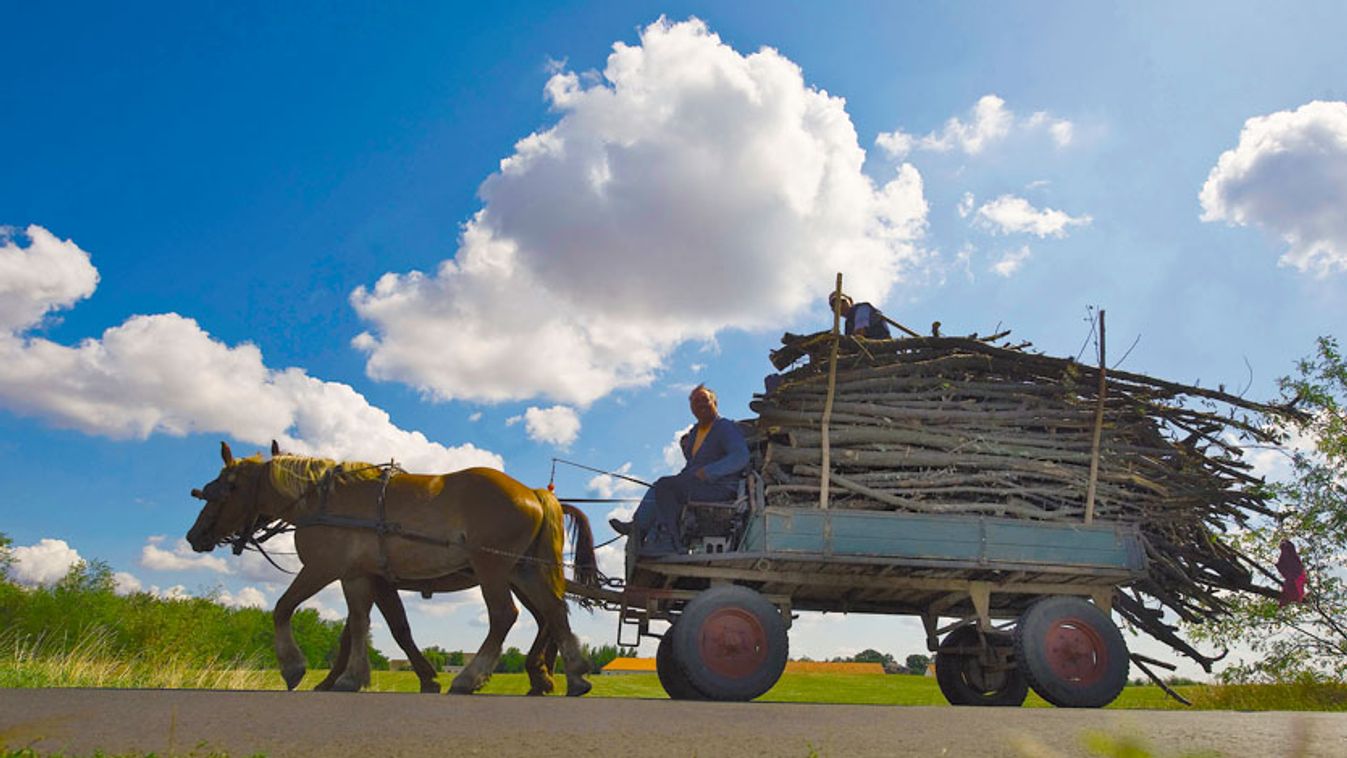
(732, 601)
(1033, 655)
(671, 676)
(954, 685)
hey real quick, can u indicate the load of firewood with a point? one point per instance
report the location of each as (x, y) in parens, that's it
(968, 425)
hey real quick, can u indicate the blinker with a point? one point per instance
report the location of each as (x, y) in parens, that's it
(198, 494)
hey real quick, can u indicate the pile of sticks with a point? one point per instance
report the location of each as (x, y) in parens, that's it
(964, 425)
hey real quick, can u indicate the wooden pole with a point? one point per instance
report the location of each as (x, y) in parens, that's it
(832, 386)
(1098, 428)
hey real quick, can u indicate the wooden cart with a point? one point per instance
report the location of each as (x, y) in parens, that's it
(1007, 604)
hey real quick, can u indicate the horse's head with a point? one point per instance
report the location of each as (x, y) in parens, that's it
(231, 503)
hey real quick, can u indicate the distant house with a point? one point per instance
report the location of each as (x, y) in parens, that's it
(647, 666)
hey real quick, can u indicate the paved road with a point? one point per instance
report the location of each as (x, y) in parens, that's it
(396, 724)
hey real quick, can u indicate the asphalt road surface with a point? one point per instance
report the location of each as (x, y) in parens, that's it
(179, 722)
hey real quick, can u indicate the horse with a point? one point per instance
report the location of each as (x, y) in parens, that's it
(429, 532)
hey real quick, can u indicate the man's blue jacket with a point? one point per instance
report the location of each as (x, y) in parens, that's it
(723, 453)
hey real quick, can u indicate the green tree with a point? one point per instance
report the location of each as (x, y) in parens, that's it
(1309, 638)
(511, 661)
(874, 656)
(436, 656)
(6, 557)
(917, 664)
(456, 658)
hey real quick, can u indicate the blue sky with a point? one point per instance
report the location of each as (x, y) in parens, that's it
(214, 215)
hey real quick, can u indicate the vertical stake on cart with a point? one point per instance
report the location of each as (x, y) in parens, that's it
(832, 386)
(1098, 428)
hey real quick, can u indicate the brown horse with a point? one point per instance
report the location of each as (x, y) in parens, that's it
(436, 533)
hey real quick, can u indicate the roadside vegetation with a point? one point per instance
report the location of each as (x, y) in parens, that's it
(80, 633)
(1302, 642)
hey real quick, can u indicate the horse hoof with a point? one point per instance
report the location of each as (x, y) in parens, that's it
(292, 677)
(457, 690)
(346, 684)
(578, 689)
(323, 686)
(430, 688)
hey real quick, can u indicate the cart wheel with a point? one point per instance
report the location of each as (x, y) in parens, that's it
(730, 643)
(1071, 653)
(671, 676)
(964, 680)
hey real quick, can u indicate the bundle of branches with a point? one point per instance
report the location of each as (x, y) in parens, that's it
(969, 426)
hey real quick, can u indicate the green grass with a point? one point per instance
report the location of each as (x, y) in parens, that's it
(91, 661)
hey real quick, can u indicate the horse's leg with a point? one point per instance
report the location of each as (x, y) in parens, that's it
(338, 664)
(537, 664)
(501, 612)
(390, 605)
(307, 583)
(359, 598)
(540, 592)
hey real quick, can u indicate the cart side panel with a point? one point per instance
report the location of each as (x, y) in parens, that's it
(960, 539)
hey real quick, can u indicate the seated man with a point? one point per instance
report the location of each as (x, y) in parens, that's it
(862, 319)
(716, 456)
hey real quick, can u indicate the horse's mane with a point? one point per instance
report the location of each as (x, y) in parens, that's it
(295, 475)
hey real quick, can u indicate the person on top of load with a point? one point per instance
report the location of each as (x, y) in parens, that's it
(716, 456)
(862, 319)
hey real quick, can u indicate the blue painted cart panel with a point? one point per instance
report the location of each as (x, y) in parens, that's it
(963, 540)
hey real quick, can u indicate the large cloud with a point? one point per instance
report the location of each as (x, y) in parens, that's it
(687, 190)
(46, 562)
(1288, 174)
(165, 374)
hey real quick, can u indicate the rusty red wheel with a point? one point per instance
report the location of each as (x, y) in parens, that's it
(730, 643)
(1076, 652)
(1071, 653)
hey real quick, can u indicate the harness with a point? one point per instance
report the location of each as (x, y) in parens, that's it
(252, 537)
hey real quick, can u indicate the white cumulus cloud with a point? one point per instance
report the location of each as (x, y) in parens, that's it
(46, 562)
(989, 122)
(558, 425)
(687, 189)
(164, 374)
(1288, 175)
(605, 486)
(248, 597)
(46, 275)
(126, 584)
(179, 558)
(1009, 214)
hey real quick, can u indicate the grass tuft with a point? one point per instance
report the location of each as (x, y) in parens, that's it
(92, 662)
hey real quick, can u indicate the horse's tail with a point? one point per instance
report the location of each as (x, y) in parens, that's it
(582, 545)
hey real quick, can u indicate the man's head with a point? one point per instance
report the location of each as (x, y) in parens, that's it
(845, 300)
(703, 402)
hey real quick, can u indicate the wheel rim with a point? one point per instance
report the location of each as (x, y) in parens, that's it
(1075, 651)
(732, 643)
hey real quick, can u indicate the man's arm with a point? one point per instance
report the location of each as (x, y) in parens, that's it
(736, 451)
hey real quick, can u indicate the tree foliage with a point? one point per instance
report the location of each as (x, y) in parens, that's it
(1306, 639)
(917, 664)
